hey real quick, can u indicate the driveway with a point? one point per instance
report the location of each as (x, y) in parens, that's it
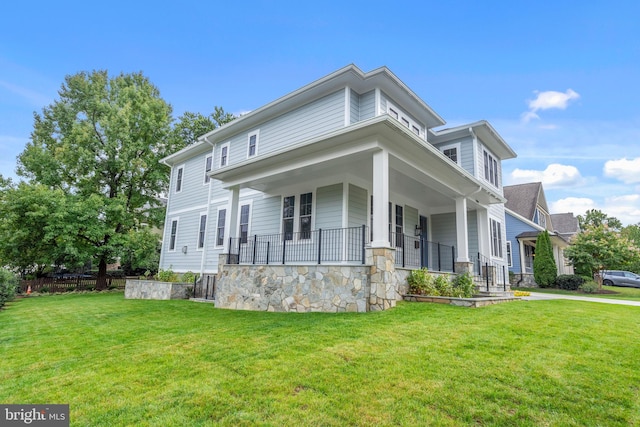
(536, 296)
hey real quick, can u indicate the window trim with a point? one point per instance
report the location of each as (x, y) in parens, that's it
(173, 235)
(509, 254)
(497, 241)
(226, 158)
(457, 147)
(224, 224)
(491, 170)
(208, 166)
(297, 218)
(202, 232)
(404, 118)
(179, 183)
(249, 204)
(255, 133)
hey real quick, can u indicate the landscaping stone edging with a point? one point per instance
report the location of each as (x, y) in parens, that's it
(460, 302)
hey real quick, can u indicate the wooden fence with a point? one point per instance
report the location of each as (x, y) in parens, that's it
(54, 284)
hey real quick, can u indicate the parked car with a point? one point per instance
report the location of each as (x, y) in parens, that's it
(620, 278)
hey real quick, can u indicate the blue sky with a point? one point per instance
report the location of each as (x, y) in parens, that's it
(558, 80)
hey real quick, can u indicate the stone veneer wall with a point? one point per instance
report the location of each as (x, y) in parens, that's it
(150, 289)
(298, 288)
(527, 280)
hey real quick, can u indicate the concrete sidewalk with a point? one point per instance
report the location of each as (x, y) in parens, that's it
(536, 296)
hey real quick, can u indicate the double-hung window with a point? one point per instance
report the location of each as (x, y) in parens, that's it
(224, 155)
(173, 235)
(207, 168)
(452, 152)
(252, 148)
(396, 217)
(222, 215)
(300, 215)
(490, 168)
(496, 239)
(202, 230)
(179, 177)
(244, 223)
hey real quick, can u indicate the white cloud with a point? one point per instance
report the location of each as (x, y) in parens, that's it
(627, 171)
(554, 176)
(548, 100)
(33, 97)
(577, 205)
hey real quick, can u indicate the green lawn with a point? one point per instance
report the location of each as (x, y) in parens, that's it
(124, 362)
(632, 294)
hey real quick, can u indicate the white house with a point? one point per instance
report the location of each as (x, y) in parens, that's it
(324, 199)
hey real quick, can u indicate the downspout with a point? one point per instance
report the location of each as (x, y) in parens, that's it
(206, 229)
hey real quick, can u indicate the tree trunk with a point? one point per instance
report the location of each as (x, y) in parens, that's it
(101, 281)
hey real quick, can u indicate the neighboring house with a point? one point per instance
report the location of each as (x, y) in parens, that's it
(527, 215)
(565, 225)
(325, 199)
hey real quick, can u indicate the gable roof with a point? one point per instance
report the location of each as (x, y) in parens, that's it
(482, 129)
(565, 224)
(523, 198)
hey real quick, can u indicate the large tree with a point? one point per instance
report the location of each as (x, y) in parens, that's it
(192, 125)
(98, 148)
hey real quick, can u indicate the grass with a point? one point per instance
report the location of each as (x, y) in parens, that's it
(124, 362)
(632, 294)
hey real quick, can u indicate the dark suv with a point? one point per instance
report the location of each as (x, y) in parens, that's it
(620, 278)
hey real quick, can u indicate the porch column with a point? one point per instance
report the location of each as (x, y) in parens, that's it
(461, 230)
(523, 268)
(231, 229)
(484, 236)
(380, 226)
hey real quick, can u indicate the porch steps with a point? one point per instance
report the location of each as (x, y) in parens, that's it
(496, 293)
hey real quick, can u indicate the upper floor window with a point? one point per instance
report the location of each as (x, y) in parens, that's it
(407, 121)
(490, 168)
(452, 152)
(179, 176)
(224, 155)
(207, 168)
(252, 148)
(542, 218)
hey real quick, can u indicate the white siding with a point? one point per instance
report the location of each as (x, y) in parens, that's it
(357, 206)
(329, 207)
(367, 105)
(355, 107)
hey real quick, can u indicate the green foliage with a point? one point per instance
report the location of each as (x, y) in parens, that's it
(544, 265)
(190, 125)
(589, 287)
(596, 218)
(189, 277)
(570, 282)
(463, 286)
(8, 284)
(167, 276)
(141, 252)
(421, 282)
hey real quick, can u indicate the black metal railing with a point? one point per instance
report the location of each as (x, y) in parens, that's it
(204, 287)
(317, 246)
(491, 273)
(416, 252)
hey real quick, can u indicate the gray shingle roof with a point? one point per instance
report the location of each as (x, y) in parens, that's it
(522, 198)
(565, 224)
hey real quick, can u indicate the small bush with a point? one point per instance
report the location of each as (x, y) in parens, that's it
(569, 282)
(463, 286)
(44, 290)
(589, 287)
(420, 282)
(443, 286)
(167, 276)
(189, 277)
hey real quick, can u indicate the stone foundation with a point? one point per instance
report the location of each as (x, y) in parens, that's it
(527, 280)
(150, 289)
(384, 280)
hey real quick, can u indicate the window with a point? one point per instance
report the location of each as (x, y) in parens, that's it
(415, 129)
(201, 230)
(490, 169)
(174, 233)
(222, 214)
(305, 215)
(542, 218)
(407, 121)
(288, 215)
(496, 239)
(393, 113)
(452, 152)
(399, 222)
(253, 144)
(224, 155)
(244, 223)
(207, 168)
(179, 175)
(509, 256)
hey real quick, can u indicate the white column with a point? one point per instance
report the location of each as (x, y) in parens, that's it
(380, 226)
(461, 230)
(523, 268)
(231, 229)
(484, 234)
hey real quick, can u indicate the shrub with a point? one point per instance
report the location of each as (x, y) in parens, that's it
(189, 277)
(420, 282)
(463, 286)
(589, 287)
(8, 283)
(569, 282)
(443, 286)
(44, 290)
(167, 276)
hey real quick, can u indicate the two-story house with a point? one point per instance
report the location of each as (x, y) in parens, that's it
(325, 199)
(527, 215)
